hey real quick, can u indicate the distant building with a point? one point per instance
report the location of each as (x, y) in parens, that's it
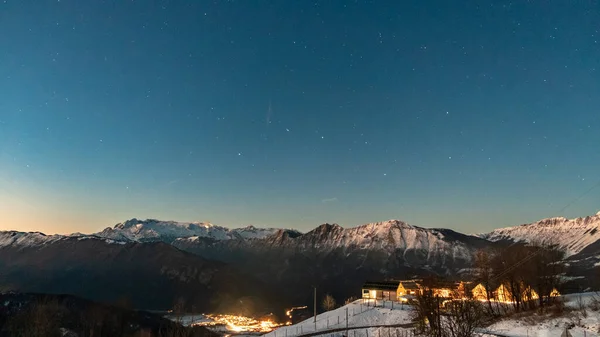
(381, 290)
(503, 293)
(298, 314)
(462, 289)
(480, 293)
(410, 287)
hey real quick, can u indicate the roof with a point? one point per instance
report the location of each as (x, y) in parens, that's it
(410, 285)
(380, 285)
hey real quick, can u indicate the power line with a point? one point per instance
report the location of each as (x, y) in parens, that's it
(534, 254)
(581, 196)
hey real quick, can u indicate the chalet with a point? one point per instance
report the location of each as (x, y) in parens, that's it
(381, 290)
(462, 289)
(503, 294)
(480, 293)
(450, 290)
(408, 288)
(529, 294)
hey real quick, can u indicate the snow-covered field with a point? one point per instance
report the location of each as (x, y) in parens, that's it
(359, 314)
(522, 325)
(534, 325)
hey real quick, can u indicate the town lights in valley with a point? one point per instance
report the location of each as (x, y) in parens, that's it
(240, 323)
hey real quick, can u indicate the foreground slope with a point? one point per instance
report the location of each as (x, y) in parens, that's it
(360, 315)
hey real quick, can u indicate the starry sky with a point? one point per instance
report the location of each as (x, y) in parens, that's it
(468, 115)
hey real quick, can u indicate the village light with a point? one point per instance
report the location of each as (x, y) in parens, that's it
(239, 323)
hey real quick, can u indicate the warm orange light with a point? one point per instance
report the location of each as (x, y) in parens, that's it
(240, 323)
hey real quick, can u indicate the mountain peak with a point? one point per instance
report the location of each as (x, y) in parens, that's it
(168, 231)
(573, 235)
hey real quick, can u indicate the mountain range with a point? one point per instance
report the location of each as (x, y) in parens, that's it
(256, 270)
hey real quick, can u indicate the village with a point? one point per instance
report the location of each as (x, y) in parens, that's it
(406, 291)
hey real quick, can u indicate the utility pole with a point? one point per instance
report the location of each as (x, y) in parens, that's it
(315, 307)
(347, 322)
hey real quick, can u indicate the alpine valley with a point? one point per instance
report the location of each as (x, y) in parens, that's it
(254, 271)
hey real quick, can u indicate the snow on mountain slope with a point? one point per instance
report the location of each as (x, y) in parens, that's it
(387, 236)
(252, 232)
(29, 239)
(168, 231)
(571, 234)
(10, 238)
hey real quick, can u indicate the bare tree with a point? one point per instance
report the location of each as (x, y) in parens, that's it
(427, 314)
(463, 318)
(483, 274)
(509, 271)
(329, 302)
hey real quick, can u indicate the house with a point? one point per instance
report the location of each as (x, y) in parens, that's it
(381, 290)
(447, 290)
(529, 294)
(407, 290)
(410, 287)
(480, 293)
(503, 294)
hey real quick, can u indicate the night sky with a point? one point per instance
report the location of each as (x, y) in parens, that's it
(461, 114)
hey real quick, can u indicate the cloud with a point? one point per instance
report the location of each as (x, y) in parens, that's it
(328, 200)
(172, 182)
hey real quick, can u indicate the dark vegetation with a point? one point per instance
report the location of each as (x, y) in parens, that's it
(37, 315)
(522, 269)
(150, 275)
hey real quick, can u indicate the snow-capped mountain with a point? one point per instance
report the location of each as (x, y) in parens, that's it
(36, 239)
(284, 261)
(573, 235)
(167, 231)
(387, 246)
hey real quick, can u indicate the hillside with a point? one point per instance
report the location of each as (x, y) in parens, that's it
(278, 267)
(573, 235)
(149, 275)
(66, 315)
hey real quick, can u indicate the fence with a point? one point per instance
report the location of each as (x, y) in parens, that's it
(336, 319)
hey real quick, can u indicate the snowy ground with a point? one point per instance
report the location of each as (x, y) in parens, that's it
(520, 325)
(360, 313)
(534, 325)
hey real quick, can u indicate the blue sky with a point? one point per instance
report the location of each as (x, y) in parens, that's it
(291, 114)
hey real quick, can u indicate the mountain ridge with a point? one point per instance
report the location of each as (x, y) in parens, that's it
(573, 235)
(179, 255)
